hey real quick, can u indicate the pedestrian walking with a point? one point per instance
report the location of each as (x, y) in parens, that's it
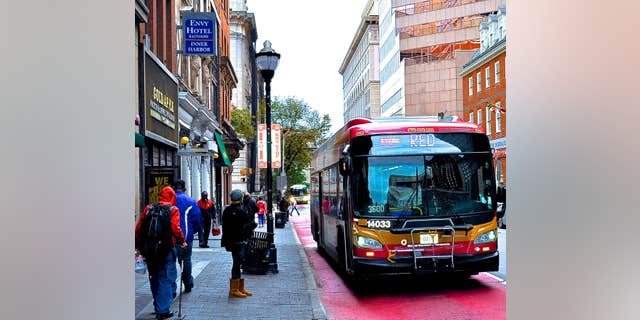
(283, 202)
(250, 205)
(208, 212)
(190, 222)
(293, 205)
(157, 233)
(237, 228)
(262, 209)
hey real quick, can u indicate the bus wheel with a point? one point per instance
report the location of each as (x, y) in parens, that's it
(340, 251)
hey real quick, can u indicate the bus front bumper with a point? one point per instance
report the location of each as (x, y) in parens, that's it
(471, 264)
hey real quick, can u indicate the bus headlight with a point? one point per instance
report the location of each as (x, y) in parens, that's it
(364, 242)
(486, 237)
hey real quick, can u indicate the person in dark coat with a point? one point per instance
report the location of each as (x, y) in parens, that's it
(208, 212)
(250, 205)
(236, 230)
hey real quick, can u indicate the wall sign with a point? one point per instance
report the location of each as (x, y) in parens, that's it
(199, 33)
(161, 102)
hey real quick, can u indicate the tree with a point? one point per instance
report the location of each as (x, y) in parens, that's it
(241, 121)
(302, 128)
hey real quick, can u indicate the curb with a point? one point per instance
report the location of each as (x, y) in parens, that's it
(319, 312)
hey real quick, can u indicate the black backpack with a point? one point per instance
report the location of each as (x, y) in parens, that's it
(155, 234)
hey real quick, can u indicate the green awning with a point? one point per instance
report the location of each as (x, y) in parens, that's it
(139, 140)
(223, 152)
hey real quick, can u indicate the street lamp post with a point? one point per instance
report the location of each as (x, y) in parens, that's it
(267, 61)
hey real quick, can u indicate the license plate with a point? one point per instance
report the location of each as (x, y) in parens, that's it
(428, 238)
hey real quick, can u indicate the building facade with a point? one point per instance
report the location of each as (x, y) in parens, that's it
(246, 95)
(485, 88)
(199, 116)
(360, 69)
(157, 112)
(424, 46)
(228, 81)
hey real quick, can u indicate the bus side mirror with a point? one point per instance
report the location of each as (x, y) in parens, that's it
(345, 166)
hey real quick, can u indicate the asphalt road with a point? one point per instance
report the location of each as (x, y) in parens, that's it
(480, 297)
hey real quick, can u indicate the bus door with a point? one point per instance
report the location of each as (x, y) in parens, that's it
(328, 201)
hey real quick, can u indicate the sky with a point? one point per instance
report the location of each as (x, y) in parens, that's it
(313, 38)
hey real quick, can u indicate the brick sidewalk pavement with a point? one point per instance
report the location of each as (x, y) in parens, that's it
(289, 294)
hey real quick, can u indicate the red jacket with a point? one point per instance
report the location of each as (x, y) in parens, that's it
(167, 197)
(262, 206)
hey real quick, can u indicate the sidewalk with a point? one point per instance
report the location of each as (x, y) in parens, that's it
(289, 294)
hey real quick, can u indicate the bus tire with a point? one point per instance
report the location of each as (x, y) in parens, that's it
(340, 251)
(316, 230)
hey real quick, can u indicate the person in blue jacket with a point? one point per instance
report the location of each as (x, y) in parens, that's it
(190, 222)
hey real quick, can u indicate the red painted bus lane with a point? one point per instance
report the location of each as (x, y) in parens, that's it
(480, 297)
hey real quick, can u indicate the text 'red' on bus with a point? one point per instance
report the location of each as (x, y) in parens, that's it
(406, 196)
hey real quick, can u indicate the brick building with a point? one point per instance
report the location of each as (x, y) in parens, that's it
(484, 91)
(423, 47)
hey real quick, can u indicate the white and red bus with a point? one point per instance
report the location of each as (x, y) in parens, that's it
(406, 196)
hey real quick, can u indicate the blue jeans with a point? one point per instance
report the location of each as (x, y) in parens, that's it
(160, 279)
(184, 258)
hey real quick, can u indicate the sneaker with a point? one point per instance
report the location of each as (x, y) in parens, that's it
(161, 316)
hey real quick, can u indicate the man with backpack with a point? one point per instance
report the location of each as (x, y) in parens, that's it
(157, 232)
(190, 222)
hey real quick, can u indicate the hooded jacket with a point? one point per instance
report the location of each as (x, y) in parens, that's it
(167, 197)
(190, 218)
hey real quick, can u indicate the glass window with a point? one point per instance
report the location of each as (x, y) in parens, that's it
(470, 86)
(498, 124)
(478, 80)
(496, 72)
(426, 185)
(487, 76)
(488, 121)
(325, 194)
(479, 116)
(471, 117)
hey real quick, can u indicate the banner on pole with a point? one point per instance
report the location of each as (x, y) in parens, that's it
(276, 146)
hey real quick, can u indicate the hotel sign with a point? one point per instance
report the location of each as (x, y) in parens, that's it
(199, 33)
(161, 102)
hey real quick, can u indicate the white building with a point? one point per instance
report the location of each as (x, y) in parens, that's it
(360, 69)
(391, 67)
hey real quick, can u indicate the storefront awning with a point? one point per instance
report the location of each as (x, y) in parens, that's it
(224, 157)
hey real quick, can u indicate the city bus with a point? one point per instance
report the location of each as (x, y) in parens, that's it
(300, 192)
(406, 196)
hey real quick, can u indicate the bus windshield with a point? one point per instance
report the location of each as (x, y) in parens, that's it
(422, 185)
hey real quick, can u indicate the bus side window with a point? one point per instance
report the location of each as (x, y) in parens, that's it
(339, 206)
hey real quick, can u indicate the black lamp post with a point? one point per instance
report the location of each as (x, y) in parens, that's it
(267, 62)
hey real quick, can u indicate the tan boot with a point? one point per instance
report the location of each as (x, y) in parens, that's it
(243, 290)
(234, 284)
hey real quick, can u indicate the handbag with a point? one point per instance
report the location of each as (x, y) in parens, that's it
(141, 266)
(216, 231)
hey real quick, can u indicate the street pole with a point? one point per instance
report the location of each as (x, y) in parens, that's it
(269, 167)
(267, 61)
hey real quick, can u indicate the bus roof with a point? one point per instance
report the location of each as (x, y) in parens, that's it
(394, 125)
(367, 127)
